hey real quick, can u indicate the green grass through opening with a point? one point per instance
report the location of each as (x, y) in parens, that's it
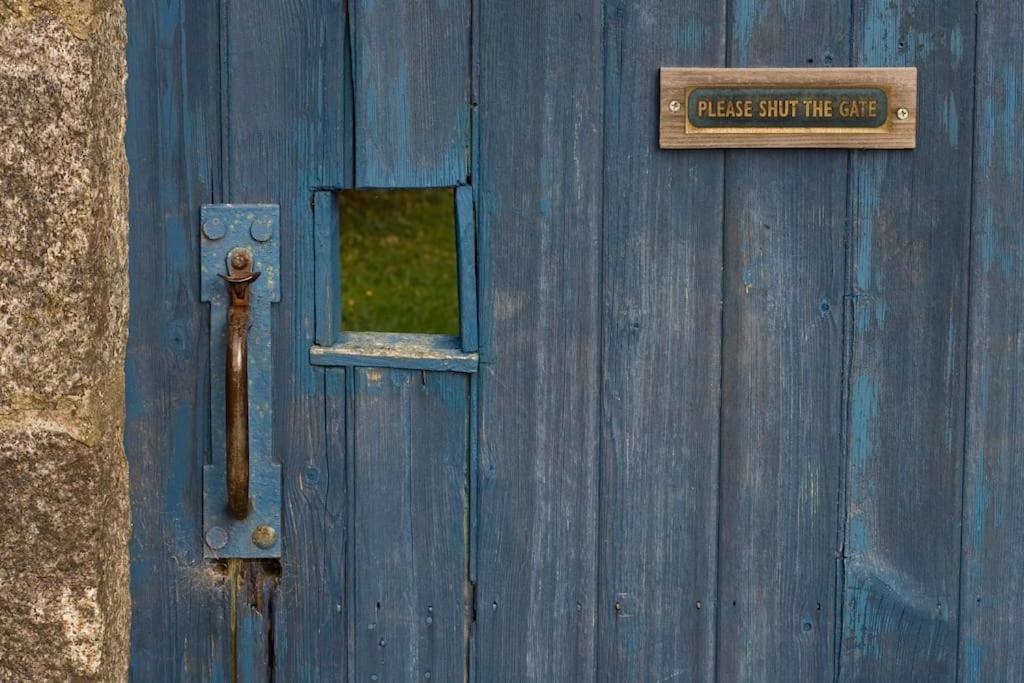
(399, 271)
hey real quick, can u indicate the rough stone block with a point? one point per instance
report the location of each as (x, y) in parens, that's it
(63, 308)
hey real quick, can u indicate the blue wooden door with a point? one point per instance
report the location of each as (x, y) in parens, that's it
(716, 415)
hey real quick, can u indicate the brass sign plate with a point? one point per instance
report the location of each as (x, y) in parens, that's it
(857, 108)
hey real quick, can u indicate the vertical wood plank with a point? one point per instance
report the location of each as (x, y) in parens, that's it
(465, 226)
(910, 218)
(662, 294)
(992, 588)
(180, 603)
(410, 488)
(539, 218)
(327, 276)
(412, 84)
(256, 590)
(289, 134)
(782, 377)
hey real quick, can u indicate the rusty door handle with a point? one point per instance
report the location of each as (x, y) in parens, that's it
(236, 381)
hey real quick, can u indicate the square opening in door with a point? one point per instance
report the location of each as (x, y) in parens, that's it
(399, 261)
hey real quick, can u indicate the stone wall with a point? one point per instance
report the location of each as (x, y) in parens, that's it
(64, 518)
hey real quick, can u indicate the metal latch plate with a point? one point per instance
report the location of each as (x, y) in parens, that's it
(257, 228)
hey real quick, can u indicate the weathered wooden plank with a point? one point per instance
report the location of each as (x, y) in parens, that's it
(286, 135)
(781, 383)
(910, 219)
(395, 350)
(992, 584)
(662, 295)
(255, 591)
(410, 559)
(412, 85)
(180, 603)
(538, 218)
(327, 275)
(465, 227)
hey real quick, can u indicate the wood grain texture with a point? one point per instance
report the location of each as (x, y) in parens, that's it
(410, 559)
(992, 584)
(465, 233)
(396, 350)
(412, 85)
(900, 85)
(661, 296)
(327, 274)
(256, 587)
(782, 375)
(180, 603)
(538, 212)
(910, 220)
(720, 395)
(285, 125)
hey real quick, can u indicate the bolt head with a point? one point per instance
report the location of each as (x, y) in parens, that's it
(216, 537)
(264, 536)
(902, 113)
(674, 106)
(214, 228)
(239, 258)
(262, 229)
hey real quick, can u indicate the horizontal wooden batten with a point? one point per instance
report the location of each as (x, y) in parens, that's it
(386, 350)
(853, 108)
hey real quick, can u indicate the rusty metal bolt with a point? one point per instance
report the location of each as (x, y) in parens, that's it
(264, 536)
(239, 259)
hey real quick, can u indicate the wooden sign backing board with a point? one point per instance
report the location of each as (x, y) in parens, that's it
(853, 108)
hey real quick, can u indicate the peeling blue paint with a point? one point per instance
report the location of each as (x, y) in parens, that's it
(1010, 116)
(974, 657)
(859, 540)
(864, 401)
(881, 307)
(950, 118)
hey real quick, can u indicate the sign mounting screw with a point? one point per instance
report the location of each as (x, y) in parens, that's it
(674, 106)
(902, 114)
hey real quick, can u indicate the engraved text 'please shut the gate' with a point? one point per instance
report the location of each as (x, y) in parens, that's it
(854, 108)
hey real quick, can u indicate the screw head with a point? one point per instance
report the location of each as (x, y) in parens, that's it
(216, 537)
(264, 536)
(674, 106)
(902, 113)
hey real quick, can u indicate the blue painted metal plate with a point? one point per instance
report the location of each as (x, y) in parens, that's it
(256, 227)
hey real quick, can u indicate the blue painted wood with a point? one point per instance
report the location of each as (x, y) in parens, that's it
(992, 592)
(255, 592)
(783, 356)
(608, 474)
(412, 92)
(255, 227)
(180, 602)
(466, 243)
(286, 126)
(910, 220)
(473, 519)
(394, 350)
(327, 263)
(539, 218)
(409, 482)
(662, 299)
